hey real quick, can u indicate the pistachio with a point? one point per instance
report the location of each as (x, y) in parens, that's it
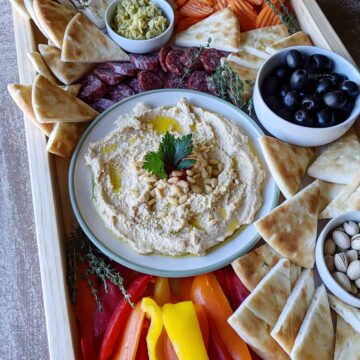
(351, 228)
(342, 280)
(351, 255)
(353, 289)
(341, 239)
(329, 260)
(355, 242)
(353, 271)
(341, 262)
(329, 247)
(357, 283)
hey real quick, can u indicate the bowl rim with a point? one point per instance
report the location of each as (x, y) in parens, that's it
(162, 3)
(323, 270)
(331, 54)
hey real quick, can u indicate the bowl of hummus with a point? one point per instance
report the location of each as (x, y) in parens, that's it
(168, 183)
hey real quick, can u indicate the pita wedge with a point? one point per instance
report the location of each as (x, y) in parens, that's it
(297, 39)
(256, 333)
(291, 228)
(349, 313)
(245, 59)
(339, 162)
(348, 199)
(53, 104)
(222, 27)
(40, 66)
(268, 299)
(347, 345)
(328, 192)
(20, 7)
(72, 89)
(295, 271)
(95, 11)
(53, 18)
(252, 267)
(315, 340)
(66, 72)
(256, 41)
(286, 162)
(84, 42)
(293, 314)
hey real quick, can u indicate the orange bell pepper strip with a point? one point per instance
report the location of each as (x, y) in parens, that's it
(207, 292)
(162, 294)
(203, 323)
(169, 351)
(126, 348)
(181, 288)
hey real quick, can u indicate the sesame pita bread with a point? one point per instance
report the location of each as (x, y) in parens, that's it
(291, 227)
(348, 199)
(222, 27)
(40, 66)
(84, 42)
(293, 314)
(20, 7)
(243, 58)
(66, 72)
(256, 41)
(347, 345)
(286, 162)
(340, 161)
(349, 313)
(315, 339)
(297, 39)
(53, 18)
(53, 104)
(328, 192)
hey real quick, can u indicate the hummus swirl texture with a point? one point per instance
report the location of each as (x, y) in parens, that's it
(185, 214)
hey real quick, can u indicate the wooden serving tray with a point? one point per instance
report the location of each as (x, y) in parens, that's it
(53, 214)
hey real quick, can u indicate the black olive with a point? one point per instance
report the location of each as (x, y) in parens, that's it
(284, 89)
(338, 78)
(282, 72)
(273, 102)
(294, 59)
(350, 88)
(304, 118)
(347, 109)
(292, 99)
(286, 114)
(325, 118)
(299, 79)
(270, 85)
(324, 85)
(320, 62)
(311, 102)
(335, 99)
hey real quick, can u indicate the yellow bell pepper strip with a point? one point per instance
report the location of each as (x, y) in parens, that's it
(162, 294)
(154, 338)
(207, 292)
(183, 329)
(126, 348)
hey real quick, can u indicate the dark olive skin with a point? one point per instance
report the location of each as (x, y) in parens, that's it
(325, 118)
(347, 109)
(294, 59)
(335, 99)
(292, 100)
(284, 89)
(270, 85)
(324, 85)
(273, 102)
(304, 118)
(349, 88)
(319, 62)
(285, 114)
(311, 102)
(338, 78)
(299, 79)
(282, 72)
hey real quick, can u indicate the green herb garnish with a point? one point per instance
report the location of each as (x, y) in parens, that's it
(172, 155)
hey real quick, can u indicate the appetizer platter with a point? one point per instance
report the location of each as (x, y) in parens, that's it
(160, 136)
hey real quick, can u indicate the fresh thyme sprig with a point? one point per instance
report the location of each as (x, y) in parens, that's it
(80, 4)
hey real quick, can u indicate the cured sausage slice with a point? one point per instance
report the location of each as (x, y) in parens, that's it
(198, 81)
(191, 59)
(108, 76)
(173, 82)
(149, 80)
(135, 85)
(210, 59)
(124, 68)
(102, 104)
(145, 62)
(162, 57)
(92, 88)
(119, 92)
(173, 62)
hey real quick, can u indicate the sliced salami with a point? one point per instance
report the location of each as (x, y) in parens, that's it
(173, 63)
(198, 81)
(173, 82)
(92, 88)
(119, 92)
(145, 62)
(135, 85)
(108, 76)
(102, 104)
(124, 68)
(211, 86)
(149, 80)
(162, 57)
(191, 59)
(210, 59)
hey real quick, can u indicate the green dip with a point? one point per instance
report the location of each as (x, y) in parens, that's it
(139, 20)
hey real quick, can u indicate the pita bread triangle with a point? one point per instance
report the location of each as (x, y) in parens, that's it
(287, 163)
(295, 271)
(53, 18)
(315, 339)
(268, 299)
(53, 104)
(328, 192)
(291, 227)
(347, 345)
(242, 58)
(293, 314)
(84, 42)
(20, 8)
(340, 161)
(66, 72)
(297, 39)
(222, 27)
(348, 199)
(40, 66)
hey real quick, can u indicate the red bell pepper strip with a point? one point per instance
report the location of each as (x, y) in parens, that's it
(237, 290)
(169, 351)
(217, 349)
(121, 314)
(221, 278)
(142, 351)
(180, 288)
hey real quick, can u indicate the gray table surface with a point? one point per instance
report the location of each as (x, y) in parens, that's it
(22, 322)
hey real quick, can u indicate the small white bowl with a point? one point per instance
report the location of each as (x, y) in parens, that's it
(324, 273)
(296, 134)
(141, 46)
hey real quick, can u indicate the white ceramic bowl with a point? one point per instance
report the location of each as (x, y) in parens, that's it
(324, 273)
(141, 46)
(296, 134)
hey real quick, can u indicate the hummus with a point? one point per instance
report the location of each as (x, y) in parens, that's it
(192, 210)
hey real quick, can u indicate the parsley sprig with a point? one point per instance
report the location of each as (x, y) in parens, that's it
(172, 155)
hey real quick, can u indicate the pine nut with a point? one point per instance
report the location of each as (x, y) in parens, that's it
(151, 202)
(208, 188)
(214, 182)
(172, 200)
(204, 174)
(175, 190)
(209, 169)
(176, 173)
(150, 179)
(213, 162)
(196, 189)
(158, 193)
(173, 180)
(161, 184)
(203, 148)
(189, 172)
(207, 181)
(190, 180)
(183, 199)
(220, 167)
(152, 193)
(196, 176)
(183, 184)
(215, 173)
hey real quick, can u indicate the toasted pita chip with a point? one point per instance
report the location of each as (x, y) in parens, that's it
(95, 11)
(20, 7)
(347, 345)
(340, 161)
(328, 192)
(85, 43)
(53, 104)
(53, 18)
(297, 39)
(40, 66)
(245, 59)
(72, 89)
(291, 227)
(295, 271)
(256, 333)
(252, 267)
(349, 313)
(268, 299)
(348, 199)
(286, 162)
(222, 27)
(256, 41)
(315, 339)
(293, 314)
(66, 72)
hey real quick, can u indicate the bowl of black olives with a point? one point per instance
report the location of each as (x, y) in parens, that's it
(307, 96)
